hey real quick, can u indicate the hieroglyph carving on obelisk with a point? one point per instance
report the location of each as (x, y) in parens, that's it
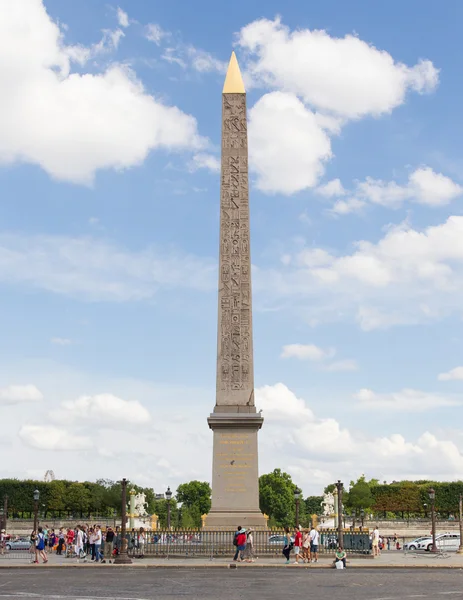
(235, 369)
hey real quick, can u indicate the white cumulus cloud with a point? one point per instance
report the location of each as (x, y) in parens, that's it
(346, 76)
(453, 374)
(331, 188)
(306, 352)
(424, 186)
(279, 402)
(320, 82)
(345, 207)
(307, 442)
(103, 408)
(288, 147)
(410, 275)
(202, 160)
(17, 394)
(45, 107)
(47, 437)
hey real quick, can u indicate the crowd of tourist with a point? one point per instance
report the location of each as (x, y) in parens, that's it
(304, 543)
(84, 542)
(92, 543)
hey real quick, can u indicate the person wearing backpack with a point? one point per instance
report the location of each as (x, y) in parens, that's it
(235, 543)
(40, 546)
(239, 540)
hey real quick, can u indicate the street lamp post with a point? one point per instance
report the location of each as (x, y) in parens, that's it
(36, 509)
(362, 516)
(339, 488)
(4, 513)
(432, 497)
(123, 558)
(297, 499)
(425, 506)
(168, 497)
(460, 549)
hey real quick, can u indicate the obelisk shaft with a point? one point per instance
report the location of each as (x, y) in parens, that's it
(235, 476)
(235, 368)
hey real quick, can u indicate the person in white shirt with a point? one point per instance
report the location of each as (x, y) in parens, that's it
(79, 541)
(314, 540)
(375, 541)
(98, 538)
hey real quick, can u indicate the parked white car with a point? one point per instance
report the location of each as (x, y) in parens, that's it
(446, 542)
(413, 545)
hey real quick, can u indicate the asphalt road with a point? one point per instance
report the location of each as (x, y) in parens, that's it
(223, 584)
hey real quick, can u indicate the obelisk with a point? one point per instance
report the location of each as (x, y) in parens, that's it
(235, 423)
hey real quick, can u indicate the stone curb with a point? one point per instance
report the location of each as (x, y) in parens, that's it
(226, 566)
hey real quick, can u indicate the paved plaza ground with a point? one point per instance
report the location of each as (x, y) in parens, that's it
(232, 584)
(387, 560)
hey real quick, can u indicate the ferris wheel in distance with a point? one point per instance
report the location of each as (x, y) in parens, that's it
(49, 476)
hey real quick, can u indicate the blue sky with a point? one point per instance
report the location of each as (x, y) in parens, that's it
(109, 155)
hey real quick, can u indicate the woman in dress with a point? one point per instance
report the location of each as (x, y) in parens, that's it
(249, 552)
(306, 546)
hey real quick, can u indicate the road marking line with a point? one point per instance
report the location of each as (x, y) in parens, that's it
(69, 597)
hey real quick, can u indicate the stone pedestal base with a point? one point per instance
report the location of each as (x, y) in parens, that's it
(235, 478)
(229, 521)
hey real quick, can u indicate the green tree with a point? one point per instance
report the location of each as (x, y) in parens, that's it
(313, 505)
(330, 489)
(56, 500)
(276, 497)
(78, 498)
(195, 494)
(190, 518)
(160, 509)
(359, 496)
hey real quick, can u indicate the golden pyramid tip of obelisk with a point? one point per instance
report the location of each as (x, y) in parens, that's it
(233, 80)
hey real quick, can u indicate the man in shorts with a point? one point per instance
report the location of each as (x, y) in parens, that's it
(297, 544)
(314, 540)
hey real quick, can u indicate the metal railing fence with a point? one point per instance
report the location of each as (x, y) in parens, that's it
(195, 543)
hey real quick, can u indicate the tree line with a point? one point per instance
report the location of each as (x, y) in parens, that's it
(80, 500)
(62, 498)
(401, 499)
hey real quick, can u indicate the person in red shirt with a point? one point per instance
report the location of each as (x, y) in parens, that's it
(240, 539)
(297, 544)
(70, 537)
